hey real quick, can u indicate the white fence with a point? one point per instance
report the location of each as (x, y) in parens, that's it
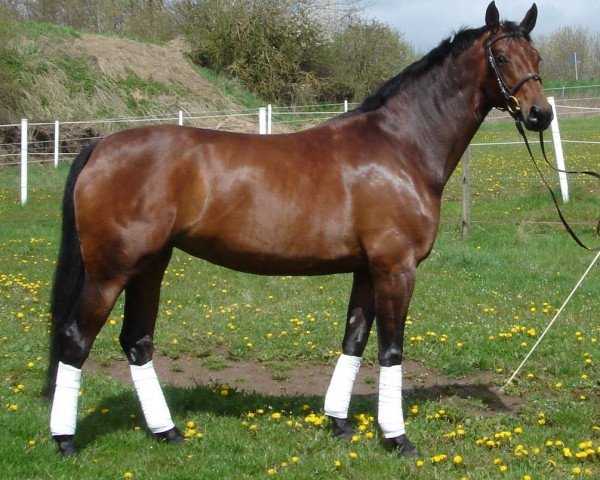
(263, 121)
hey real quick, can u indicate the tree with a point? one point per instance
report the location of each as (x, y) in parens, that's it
(559, 50)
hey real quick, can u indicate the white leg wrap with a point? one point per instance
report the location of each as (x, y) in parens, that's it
(63, 418)
(151, 398)
(390, 416)
(337, 400)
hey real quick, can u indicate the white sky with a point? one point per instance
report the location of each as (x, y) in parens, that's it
(427, 22)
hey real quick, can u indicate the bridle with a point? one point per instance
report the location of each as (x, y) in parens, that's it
(511, 103)
(512, 106)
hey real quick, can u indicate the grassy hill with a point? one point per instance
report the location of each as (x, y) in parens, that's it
(68, 75)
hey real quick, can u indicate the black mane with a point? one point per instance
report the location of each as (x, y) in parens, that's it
(453, 46)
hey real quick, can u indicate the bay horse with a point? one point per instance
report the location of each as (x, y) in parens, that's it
(357, 194)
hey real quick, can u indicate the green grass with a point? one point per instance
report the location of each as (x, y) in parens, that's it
(477, 303)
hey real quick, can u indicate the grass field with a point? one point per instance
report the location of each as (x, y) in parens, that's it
(479, 306)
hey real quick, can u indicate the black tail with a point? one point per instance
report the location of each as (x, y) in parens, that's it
(69, 274)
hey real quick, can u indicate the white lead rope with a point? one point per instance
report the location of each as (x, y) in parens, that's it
(553, 320)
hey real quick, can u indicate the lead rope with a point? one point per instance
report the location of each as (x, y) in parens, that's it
(552, 194)
(552, 322)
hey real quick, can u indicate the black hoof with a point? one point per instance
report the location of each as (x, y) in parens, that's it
(402, 446)
(170, 436)
(65, 445)
(341, 428)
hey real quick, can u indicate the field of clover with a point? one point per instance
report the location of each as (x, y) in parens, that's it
(479, 306)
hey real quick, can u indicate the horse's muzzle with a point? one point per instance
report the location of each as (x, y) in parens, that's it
(539, 119)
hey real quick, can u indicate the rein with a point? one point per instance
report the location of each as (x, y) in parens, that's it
(514, 109)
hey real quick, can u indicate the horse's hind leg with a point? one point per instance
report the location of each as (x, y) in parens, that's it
(141, 308)
(74, 341)
(359, 319)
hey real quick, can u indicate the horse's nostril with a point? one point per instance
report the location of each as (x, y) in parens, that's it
(539, 119)
(534, 114)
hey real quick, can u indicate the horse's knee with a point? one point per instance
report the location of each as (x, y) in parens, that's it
(138, 352)
(74, 346)
(391, 356)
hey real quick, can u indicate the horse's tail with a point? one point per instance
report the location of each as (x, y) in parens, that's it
(69, 273)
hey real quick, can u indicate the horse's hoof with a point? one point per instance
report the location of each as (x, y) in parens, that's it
(402, 446)
(65, 445)
(342, 428)
(170, 436)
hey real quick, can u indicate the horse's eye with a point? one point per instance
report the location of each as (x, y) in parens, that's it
(501, 59)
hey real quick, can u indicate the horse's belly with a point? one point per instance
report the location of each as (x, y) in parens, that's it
(264, 256)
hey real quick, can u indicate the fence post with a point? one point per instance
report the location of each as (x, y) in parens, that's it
(466, 194)
(558, 151)
(345, 105)
(24, 161)
(56, 142)
(262, 120)
(180, 118)
(269, 119)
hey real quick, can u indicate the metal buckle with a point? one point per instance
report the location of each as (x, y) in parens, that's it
(512, 105)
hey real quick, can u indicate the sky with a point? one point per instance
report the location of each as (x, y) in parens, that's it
(427, 22)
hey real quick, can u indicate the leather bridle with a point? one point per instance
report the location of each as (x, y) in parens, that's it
(511, 103)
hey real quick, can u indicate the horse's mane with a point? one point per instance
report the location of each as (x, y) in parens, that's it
(450, 47)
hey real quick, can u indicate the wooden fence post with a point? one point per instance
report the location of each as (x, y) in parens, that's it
(466, 194)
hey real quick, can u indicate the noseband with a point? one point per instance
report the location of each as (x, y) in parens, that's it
(508, 93)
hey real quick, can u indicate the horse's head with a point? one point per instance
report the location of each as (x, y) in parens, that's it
(513, 82)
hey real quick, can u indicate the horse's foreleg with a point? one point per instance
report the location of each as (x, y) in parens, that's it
(394, 288)
(74, 343)
(141, 308)
(361, 312)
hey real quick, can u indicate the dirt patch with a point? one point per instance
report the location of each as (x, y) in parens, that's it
(120, 57)
(313, 380)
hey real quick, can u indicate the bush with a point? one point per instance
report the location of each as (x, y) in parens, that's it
(271, 48)
(363, 56)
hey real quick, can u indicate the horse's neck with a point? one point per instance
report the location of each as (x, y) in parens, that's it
(447, 106)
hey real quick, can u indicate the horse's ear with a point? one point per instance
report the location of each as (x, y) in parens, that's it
(530, 18)
(492, 16)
